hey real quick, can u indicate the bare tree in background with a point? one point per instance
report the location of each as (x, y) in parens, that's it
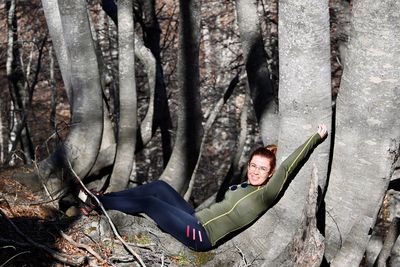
(189, 131)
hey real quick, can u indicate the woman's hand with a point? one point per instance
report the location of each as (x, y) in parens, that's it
(322, 130)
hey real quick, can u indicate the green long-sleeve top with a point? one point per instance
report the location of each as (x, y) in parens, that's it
(244, 205)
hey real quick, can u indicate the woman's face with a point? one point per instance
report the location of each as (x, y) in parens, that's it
(259, 170)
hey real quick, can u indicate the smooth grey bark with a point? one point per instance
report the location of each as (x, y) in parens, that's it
(82, 143)
(54, 24)
(395, 254)
(368, 130)
(236, 171)
(255, 58)
(157, 114)
(304, 100)
(147, 127)
(53, 91)
(162, 116)
(188, 135)
(127, 124)
(11, 21)
(307, 247)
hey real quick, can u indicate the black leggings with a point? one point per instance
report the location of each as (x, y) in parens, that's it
(166, 207)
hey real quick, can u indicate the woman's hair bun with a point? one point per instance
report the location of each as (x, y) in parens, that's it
(273, 148)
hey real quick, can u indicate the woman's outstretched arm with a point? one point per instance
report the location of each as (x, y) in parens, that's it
(291, 163)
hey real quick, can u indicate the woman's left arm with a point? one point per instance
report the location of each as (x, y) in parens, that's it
(285, 170)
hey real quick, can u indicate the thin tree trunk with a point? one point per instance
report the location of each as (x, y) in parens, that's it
(210, 121)
(3, 128)
(235, 171)
(162, 114)
(189, 131)
(127, 124)
(53, 90)
(19, 96)
(54, 24)
(147, 126)
(262, 92)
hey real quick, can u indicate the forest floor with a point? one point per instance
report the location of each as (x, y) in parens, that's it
(34, 232)
(38, 222)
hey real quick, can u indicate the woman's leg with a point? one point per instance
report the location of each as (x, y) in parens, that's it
(159, 189)
(180, 224)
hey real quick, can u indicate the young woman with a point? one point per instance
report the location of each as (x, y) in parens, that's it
(242, 205)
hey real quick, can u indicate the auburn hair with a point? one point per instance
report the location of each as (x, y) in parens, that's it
(268, 152)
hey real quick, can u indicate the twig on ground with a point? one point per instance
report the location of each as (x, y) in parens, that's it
(162, 259)
(242, 255)
(80, 245)
(148, 246)
(244, 258)
(138, 258)
(10, 259)
(56, 255)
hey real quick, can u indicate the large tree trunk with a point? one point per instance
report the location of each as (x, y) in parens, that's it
(368, 130)
(127, 125)
(188, 135)
(261, 89)
(304, 100)
(81, 146)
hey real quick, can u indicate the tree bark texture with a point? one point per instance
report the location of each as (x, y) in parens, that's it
(368, 130)
(162, 116)
(261, 90)
(147, 126)
(188, 135)
(19, 128)
(54, 24)
(81, 146)
(127, 125)
(304, 100)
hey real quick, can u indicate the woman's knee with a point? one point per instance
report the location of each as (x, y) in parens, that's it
(161, 184)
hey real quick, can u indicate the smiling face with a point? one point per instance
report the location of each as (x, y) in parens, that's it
(259, 170)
